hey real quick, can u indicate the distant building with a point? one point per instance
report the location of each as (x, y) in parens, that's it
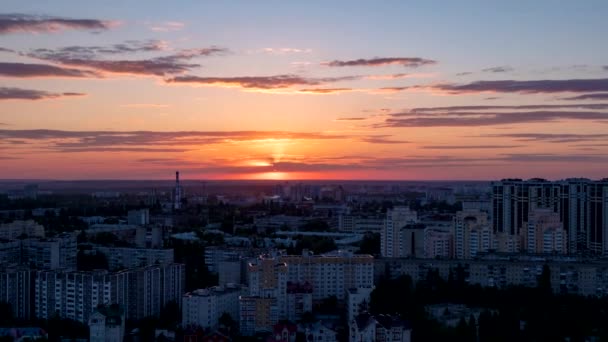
(15, 289)
(392, 244)
(267, 278)
(257, 314)
(107, 324)
(357, 302)
(330, 274)
(15, 229)
(360, 224)
(10, 252)
(582, 206)
(545, 233)
(130, 257)
(141, 292)
(299, 300)
(381, 328)
(472, 233)
(317, 332)
(229, 272)
(392, 329)
(438, 243)
(283, 332)
(204, 307)
(54, 253)
(362, 328)
(139, 217)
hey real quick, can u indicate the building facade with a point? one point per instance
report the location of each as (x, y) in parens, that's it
(204, 307)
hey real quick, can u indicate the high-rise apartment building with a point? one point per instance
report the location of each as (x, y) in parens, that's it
(140, 292)
(15, 229)
(131, 257)
(330, 274)
(472, 233)
(54, 253)
(438, 243)
(392, 244)
(267, 278)
(15, 289)
(545, 233)
(139, 217)
(204, 307)
(582, 206)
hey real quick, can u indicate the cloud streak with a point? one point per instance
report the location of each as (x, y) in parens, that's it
(469, 147)
(550, 137)
(498, 69)
(7, 93)
(25, 70)
(412, 62)
(89, 57)
(325, 90)
(80, 141)
(592, 106)
(596, 96)
(522, 87)
(261, 82)
(167, 26)
(24, 23)
(476, 119)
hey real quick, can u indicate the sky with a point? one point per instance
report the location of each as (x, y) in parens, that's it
(286, 90)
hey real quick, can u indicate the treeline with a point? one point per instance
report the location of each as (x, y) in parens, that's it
(511, 314)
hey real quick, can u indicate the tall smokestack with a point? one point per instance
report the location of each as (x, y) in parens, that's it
(177, 200)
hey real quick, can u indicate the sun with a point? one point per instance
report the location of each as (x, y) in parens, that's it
(271, 175)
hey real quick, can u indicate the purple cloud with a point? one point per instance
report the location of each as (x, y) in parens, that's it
(473, 119)
(596, 96)
(593, 106)
(30, 94)
(550, 137)
(13, 23)
(89, 57)
(412, 62)
(351, 119)
(468, 147)
(325, 90)
(24, 70)
(498, 69)
(258, 82)
(522, 87)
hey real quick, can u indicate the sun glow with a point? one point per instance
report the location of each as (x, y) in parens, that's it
(271, 175)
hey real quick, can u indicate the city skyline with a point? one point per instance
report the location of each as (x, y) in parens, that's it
(285, 91)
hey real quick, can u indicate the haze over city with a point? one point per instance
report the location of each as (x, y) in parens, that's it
(388, 90)
(303, 171)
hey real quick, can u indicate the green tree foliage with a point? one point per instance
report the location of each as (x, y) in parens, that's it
(192, 255)
(315, 244)
(6, 314)
(510, 314)
(317, 225)
(89, 262)
(370, 244)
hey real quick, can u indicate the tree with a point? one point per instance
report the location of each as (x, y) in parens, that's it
(227, 323)
(89, 262)
(544, 280)
(370, 244)
(6, 314)
(170, 315)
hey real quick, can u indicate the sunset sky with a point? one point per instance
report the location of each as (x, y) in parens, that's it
(408, 90)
